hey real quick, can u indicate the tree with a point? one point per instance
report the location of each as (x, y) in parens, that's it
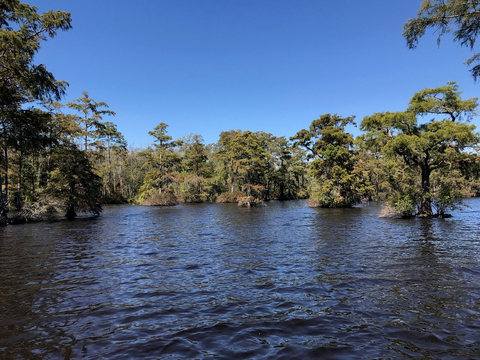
(425, 152)
(162, 165)
(74, 181)
(91, 116)
(460, 17)
(30, 133)
(333, 166)
(109, 139)
(244, 160)
(22, 30)
(195, 169)
(443, 100)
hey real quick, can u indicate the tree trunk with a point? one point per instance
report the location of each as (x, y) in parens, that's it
(71, 208)
(19, 181)
(3, 206)
(71, 214)
(5, 150)
(426, 204)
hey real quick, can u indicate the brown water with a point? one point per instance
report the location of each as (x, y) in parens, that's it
(280, 282)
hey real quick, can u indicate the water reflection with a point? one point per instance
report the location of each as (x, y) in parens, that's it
(284, 281)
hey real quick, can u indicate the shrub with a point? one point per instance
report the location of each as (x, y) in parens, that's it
(249, 201)
(229, 197)
(163, 199)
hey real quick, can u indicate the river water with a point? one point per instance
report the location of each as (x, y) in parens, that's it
(280, 282)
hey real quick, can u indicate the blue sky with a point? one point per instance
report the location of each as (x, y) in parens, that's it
(207, 66)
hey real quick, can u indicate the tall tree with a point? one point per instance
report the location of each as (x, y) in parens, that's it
(109, 139)
(243, 158)
(91, 115)
(460, 17)
(22, 30)
(195, 169)
(162, 164)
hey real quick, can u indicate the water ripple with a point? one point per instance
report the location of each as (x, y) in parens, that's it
(214, 280)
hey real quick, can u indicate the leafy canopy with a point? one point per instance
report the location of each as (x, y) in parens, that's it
(459, 17)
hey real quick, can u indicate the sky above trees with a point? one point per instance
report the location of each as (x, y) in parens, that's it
(207, 66)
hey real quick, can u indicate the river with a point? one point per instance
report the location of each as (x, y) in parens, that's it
(213, 280)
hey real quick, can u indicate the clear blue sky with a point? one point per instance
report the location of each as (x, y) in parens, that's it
(207, 66)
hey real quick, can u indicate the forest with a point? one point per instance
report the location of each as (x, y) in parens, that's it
(70, 158)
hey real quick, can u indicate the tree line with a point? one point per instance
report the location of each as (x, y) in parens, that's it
(69, 158)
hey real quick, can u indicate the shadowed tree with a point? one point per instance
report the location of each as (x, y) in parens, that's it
(74, 182)
(22, 30)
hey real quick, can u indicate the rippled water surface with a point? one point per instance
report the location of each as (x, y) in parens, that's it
(280, 282)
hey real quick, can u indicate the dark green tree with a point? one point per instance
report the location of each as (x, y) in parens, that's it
(22, 30)
(74, 181)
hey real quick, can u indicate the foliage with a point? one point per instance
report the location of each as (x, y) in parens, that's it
(421, 152)
(336, 183)
(162, 164)
(229, 197)
(90, 123)
(459, 17)
(443, 100)
(74, 181)
(164, 199)
(22, 84)
(249, 201)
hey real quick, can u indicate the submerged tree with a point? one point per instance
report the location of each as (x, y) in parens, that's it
(334, 166)
(426, 152)
(460, 17)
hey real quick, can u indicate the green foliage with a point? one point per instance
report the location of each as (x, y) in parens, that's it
(163, 164)
(444, 100)
(424, 151)
(336, 181)
(459, 17)
(22, 85)
(22, 30)
(229, 197)
(90, 121)
(74, 181)
(405, 204)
